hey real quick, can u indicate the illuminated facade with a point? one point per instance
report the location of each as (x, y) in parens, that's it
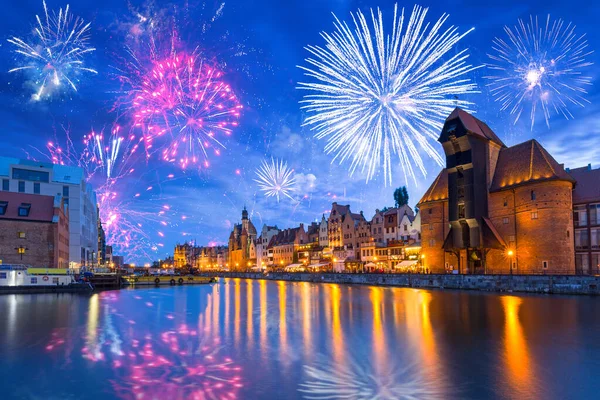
(241, 239)
(496, 209)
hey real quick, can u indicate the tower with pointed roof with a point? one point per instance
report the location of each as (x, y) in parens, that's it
(242, 250)
(495, 209)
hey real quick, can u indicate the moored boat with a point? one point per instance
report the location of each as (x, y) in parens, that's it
(23, 276)
(135, 280)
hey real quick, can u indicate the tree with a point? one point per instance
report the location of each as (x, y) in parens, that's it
(401, 196)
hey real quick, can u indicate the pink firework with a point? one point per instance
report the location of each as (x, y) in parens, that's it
(185, 98)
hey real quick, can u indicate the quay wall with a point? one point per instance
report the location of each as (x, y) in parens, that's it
(545, 284)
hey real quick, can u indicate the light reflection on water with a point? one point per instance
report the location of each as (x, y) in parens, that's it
(259, 339)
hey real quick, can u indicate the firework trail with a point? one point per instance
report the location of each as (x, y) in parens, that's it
(380, 94)
(55, 55)
(275, 179)
(108, 162)
(539, 66)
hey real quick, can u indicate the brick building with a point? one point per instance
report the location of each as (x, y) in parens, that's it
(342, 226)
(586, 219)
(495, 208)
(34, 230)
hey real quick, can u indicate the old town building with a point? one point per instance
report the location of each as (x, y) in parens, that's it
(241, 239)
(188, 255)
(496, 209)
(323, 233)
(342, 225)
(586, 219)
(285, 245)
(34, 230)
(377, 226)
(262, 255)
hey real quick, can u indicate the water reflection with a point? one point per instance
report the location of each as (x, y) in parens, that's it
(260, 339)
(517, 359)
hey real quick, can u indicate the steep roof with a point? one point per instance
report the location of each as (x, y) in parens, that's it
(41, 210)
(525, 163)
(438, 189)
(286, 236)
(475, 126)
(587, 188)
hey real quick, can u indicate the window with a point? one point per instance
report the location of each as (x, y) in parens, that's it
(24, 209)
(2, 275)
(3, 206)
(30, 175)
(534, 215)
(405, 228)
(430, 227)
(65, 191)
(580, 216)
(55, 281)
(461, 211)
(533, 195)
(21, 235)
(505, 202)
(582, 239)
(505, 221)
(430, 210)
(390, 219)
(5, 185)
(34, 280)
(21, 187)
(431, 242)
(36, 188)
(594, 214)
(545, 264)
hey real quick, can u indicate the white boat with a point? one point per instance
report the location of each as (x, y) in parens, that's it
(21, 275)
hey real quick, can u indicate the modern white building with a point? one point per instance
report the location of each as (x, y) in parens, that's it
(34, 177)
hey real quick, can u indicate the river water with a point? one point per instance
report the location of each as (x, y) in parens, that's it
(277, 340)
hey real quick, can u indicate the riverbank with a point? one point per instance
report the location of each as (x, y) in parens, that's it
(73, 288)
(546, 284)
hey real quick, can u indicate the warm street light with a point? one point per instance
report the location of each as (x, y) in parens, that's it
(21, 250)
(510, 254)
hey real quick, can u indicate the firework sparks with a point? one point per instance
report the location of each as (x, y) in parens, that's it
(186, 98)
(540, 66)
(108, 162)
(380, 94)
(55, 54)
(275, 179)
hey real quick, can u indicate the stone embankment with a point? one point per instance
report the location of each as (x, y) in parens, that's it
(545, 284)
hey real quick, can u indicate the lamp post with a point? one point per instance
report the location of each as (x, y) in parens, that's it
(423, 262)
(510, 253)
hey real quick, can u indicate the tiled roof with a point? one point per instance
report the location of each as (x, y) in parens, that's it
(525, 163)
(286, 236)
(438, 189)
(587, 188)
(474, 125)
(42, 207)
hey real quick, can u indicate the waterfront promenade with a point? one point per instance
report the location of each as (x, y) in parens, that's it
(546, 284)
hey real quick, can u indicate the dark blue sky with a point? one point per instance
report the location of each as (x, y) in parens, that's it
(259, 45)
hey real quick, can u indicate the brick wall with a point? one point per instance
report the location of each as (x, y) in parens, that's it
(40, 242)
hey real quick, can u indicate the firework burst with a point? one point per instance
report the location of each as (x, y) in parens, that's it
(185, 98)
(539, 66)
(381, 94)
(275, 179)
(56, 53)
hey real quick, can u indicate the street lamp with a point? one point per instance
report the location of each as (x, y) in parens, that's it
(21, 250)
(423, 262)
(510, 253)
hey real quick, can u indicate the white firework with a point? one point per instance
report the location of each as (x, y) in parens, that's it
(539, 66)
(380, 94)
(55, 54)
(275, 179)
(351, 381)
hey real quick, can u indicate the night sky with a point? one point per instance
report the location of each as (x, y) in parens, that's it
(258, 45)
